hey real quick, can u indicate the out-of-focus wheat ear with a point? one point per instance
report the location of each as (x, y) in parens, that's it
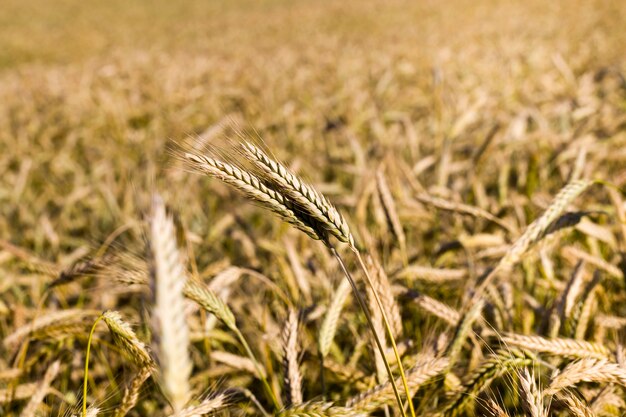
(320, 409)
(383, 287)
(391, 213)
(131, 392)
(18, 393)
(532, 400)
(171, 328)
(208, 300)
(493, 409)
(255, 190)
(587, 370)
(306, 198)
(126, 339)
(331, 320)
(575, 405)
(436, 308)
(558, 346)
(206, 406)
(51, 319)
(537, 229)
(293, 378)
(79, 269)
(461, 208)
(424, 370)
(566, 301)
(500, 363)
(462, 330)
(42, 390)
(609, 402)
(92, 411)
(534, 232)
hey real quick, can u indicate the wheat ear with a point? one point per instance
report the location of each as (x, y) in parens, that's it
(131, 392)
(391, 213)
(126, 339)
(42, 390)
(498, 364)
(558, 346)
(587, 370)
(329, 325)
(424, 370)
(209, 301)
(316, 207)
(320, 409)
(537, 229)
(172, 330)
(305, 196)
(532, 400)
(253, 188)
(207, 406)
(293, 377)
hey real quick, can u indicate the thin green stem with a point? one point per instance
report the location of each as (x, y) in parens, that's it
(371, 326)
(93, 329)
(389, 333)
(257, 367)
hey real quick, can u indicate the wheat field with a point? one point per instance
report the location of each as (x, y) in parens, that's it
(273, 208)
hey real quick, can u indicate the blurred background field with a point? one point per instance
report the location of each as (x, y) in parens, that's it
(493, 104)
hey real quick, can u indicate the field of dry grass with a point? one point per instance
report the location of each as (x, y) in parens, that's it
(257, 208)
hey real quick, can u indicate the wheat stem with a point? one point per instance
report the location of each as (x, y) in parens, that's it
(371, 326)
(389, 333)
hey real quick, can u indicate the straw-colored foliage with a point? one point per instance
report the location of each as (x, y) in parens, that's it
(245, 208)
